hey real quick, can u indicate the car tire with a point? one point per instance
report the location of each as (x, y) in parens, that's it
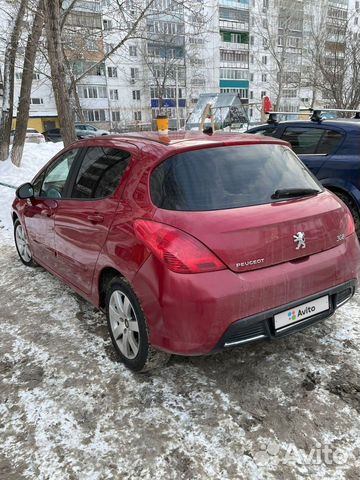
(128, 329)
(349, 202)
(22, 245)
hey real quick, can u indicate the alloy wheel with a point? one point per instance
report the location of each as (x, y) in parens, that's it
(22, 244)
(124, 324)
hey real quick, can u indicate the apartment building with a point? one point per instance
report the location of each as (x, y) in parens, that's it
(165, 65)
(234, 30)
(252, 48)
(286, 41)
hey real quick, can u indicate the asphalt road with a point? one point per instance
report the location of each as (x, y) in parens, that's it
(68, 410)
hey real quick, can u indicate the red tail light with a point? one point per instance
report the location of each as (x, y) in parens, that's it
(350, 224)
(180, 252)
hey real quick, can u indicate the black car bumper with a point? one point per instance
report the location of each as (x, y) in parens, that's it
(262, 326)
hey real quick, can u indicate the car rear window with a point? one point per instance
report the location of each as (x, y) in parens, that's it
(227, 177)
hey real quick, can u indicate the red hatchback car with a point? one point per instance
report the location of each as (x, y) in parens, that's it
(191, 243)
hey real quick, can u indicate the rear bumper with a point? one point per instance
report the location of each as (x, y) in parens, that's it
(262, 326)
(193, 314)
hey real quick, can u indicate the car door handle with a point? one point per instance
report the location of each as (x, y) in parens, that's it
(95, 218)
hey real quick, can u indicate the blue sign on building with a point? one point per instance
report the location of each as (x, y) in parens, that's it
(168, 103)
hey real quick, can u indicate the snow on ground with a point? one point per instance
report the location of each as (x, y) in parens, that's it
(68, 410)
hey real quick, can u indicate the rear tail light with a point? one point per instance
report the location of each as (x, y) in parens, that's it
(179, 251)
(350, 224)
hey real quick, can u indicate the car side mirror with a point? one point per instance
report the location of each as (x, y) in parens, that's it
(26, 190)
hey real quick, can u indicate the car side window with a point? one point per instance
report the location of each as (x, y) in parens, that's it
(56, 176)
(100, 172)
(330, 142)
(312, 140)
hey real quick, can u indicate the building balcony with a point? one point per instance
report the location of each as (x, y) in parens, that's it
(234, 64)
(240, 4)
(83, 5)
(234, 46)
(231, 25)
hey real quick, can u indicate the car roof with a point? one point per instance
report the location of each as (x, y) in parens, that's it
(182, 140)
(346, 123)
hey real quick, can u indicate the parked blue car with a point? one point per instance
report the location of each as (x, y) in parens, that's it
(330, 149)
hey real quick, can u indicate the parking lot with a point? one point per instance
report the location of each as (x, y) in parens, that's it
(70, 410)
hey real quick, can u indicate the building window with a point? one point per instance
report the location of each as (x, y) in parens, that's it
(234, 74)
(264, 77)
(136, 94)
(37, 101)
(134, 74)
(107, 24)
(115, 116)
(251, 77)
(264, 59)
(92, 92)
(235, 37)
(95, 115)
(112, 72)
(18, 76)
(234, 56)
(137, 116)
(241, 92)
(263, 94)
(114, 94)
(133, 51)
(251, 95)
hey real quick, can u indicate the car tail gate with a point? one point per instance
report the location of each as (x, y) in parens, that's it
(230, 200)
(255, 237)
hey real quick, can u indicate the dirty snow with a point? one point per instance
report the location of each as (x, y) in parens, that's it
(69, 410)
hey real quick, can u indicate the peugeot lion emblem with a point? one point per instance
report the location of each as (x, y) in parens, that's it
(299, 239)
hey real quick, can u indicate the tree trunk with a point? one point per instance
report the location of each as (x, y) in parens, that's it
(58, 73)
(74, 93)
(26, 83)
(9, 73)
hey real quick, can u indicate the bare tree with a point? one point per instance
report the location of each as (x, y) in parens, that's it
(279, 32)
(58, 70)
(26, 84)
(334, 53)
(164, 58)
(8, 81)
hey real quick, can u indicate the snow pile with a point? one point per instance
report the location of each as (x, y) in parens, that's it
(34, 157)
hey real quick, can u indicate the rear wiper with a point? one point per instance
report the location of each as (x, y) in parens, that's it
(294, 192)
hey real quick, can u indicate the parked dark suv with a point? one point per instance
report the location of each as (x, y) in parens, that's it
(330, 149)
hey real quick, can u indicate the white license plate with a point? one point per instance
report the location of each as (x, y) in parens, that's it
(301, 312)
